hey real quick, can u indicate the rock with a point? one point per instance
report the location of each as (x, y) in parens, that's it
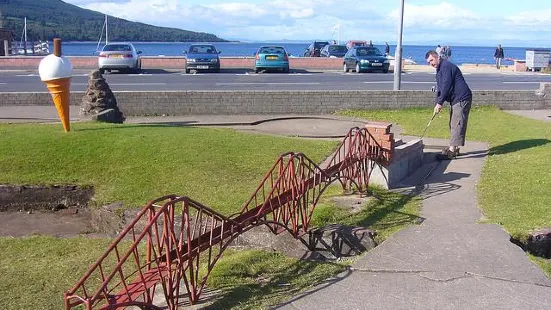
(539, 243)
(107, 116)
(98, 102)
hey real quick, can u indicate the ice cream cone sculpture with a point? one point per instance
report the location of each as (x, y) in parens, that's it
(55, 71)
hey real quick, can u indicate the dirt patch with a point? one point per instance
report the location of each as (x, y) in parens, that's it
(54, 210)
(62, 223)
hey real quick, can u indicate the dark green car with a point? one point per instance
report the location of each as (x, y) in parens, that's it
(365, 58)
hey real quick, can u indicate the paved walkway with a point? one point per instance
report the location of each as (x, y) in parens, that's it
(448, 262)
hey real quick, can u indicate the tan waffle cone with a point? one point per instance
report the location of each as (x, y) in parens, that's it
(59, 89)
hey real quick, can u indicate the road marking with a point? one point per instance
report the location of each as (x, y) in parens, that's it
(403, 82)
(267, 83)
(125, 84)
(524, 82)
(34, 74)
(377, 73)
(260, 74)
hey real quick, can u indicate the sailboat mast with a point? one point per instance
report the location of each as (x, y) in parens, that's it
(25, 34)
(106, 32)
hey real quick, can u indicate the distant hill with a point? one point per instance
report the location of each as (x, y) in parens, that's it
(47, 19)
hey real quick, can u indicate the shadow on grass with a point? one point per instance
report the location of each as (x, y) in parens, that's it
(517, 146)
(385, 212)
(276, 289)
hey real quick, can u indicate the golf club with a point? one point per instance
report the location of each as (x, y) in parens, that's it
(425, 131)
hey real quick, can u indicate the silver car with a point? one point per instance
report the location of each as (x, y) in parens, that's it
(119, 56)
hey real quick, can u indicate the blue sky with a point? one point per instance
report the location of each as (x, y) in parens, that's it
(452, 22)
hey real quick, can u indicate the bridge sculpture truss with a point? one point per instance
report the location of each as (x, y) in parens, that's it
(172, 245)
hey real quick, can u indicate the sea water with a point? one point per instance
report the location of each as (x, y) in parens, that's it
(460, 54)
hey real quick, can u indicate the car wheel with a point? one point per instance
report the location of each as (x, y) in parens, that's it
(256, 70)
(358, 69)
(187, 71)
(345, 68)
(102, 71)
(286, 70)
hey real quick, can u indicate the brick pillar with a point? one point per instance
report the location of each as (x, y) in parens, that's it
(380, 131)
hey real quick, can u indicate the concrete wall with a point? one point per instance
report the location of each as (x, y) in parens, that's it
(284, 102)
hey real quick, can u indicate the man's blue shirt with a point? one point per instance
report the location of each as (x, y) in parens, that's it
(451, 84)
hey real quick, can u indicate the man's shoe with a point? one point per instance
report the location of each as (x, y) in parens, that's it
(447, 154)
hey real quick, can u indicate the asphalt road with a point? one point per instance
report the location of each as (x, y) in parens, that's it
(234, 80)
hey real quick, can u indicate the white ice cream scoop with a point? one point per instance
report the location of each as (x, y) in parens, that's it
(54, 67)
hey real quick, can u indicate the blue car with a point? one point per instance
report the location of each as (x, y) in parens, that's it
(333, 51)
(271, 58)
(202, 57)
(365, 58)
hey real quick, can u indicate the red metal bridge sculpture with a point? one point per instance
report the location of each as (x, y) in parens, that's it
(172, 245)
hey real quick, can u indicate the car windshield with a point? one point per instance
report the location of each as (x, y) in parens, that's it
(337, 48)
(117, 48)
(272, 50)
(320, 44)
(202, 49)
(372, 51)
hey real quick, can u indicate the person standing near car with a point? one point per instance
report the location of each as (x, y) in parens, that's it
(498, 56)
(387, 49)
(451, 87)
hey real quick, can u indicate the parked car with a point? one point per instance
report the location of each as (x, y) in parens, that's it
(365, 58)
(271, 58)
(313, 50)
(119, 56)
(353, 43)
(202, 57)
(333, 50)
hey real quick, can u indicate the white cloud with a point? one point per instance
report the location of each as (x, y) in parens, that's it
(449, 20)
(539, 19)
(439, 16)
(85, 2)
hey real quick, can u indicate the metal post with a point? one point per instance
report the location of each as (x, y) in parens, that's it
(398, 52)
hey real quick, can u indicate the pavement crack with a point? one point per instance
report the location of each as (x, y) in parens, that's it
(506, 280)
(466, 274)
(388, 270)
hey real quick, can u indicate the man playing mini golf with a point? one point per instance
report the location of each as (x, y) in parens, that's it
(451, 87)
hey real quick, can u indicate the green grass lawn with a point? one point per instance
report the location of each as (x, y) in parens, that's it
(221, 168)
(514, 190)
(137, 163)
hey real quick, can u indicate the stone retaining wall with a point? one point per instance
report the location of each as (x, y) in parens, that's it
(284, 102)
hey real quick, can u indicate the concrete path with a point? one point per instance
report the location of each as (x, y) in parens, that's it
(541, 115)
(448, 262)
